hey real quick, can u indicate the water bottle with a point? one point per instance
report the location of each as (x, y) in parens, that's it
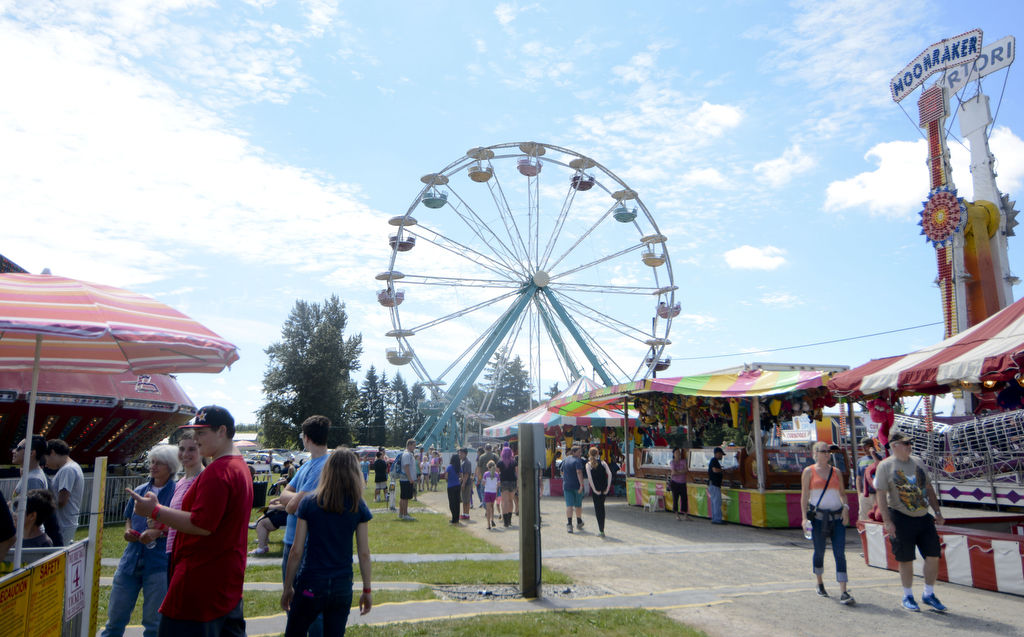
(807, 529)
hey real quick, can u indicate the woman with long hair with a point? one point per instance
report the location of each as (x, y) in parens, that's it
(490, 491)
(823, 500)
(508, 483)
(192, 462)
(599, 476)
(454, 476)
(677, 482)
(320, 561)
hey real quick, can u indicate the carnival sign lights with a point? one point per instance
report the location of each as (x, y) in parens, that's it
(940, 56)
(943, 216)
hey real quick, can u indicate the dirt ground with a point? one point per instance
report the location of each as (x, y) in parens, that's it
(759, 580)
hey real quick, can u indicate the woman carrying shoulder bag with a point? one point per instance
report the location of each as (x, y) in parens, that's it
(829, 516)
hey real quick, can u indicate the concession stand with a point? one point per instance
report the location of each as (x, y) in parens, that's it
(984, 551)
(750, 405)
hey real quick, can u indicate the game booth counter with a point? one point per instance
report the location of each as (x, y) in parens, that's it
(986, 550)
(752, 404)
(601, 428)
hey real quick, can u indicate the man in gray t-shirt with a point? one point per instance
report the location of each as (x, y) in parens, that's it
(904, 494)
(67, 486)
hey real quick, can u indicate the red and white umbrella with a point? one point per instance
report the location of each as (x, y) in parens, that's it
(60, 324)
(991, 350)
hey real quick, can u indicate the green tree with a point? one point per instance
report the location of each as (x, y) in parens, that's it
(372, 414)
(308, 373)
(552, 391)
(508, 386)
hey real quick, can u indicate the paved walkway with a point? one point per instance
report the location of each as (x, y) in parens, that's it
(725, 580)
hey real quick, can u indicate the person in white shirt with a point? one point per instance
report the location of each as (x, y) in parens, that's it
(67, 487)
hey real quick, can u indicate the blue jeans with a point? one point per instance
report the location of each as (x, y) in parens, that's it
(715, 502)
(316, 627)
(821, 532)
(330, 598)
(128, 581)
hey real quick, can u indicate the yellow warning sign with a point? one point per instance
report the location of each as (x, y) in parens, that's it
(14, 594)
(47, 595)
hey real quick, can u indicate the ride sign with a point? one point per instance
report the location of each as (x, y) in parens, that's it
(994, 57)
(940, 56)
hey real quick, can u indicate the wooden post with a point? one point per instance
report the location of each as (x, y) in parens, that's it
(530, 437)
(758, 442)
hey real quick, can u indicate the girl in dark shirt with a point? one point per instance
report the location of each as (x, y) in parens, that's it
(320, 562)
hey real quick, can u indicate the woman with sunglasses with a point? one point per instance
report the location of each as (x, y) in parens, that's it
(823, 501)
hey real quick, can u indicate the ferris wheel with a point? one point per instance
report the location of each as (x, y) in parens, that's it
(524, 250)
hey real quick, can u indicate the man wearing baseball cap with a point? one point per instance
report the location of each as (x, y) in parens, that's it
(204, 595)
(904, 494)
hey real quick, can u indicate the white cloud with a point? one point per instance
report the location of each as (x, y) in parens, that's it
(781, 170)
(752, 258)
(899, 183)
(705, 177)
(823, 50)
(481, 45)
(130, 184)
(780, 298)
(507, 12)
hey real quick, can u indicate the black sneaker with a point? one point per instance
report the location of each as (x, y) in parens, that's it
(579, 524)
(847, 599)
(568, 527)
(821, 591)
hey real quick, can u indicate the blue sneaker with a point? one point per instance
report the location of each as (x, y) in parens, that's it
(910, 604)
(934, 602)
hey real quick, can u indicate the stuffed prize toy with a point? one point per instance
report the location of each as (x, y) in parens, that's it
(882, 413)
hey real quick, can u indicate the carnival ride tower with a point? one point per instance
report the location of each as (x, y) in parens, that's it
(970, 237)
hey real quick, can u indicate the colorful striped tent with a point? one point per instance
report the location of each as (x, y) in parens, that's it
(756, 380)
(991, 350)
(543, 415)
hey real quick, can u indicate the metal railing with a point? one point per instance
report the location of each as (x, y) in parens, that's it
(115, 497)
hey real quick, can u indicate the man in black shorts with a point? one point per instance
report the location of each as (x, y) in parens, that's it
(904, 493)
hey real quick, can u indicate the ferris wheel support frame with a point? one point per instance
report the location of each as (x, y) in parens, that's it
(570, 325)
(556, 339)
(441, 428)
(460, 386)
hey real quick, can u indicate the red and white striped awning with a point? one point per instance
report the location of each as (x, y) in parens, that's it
(991, 350)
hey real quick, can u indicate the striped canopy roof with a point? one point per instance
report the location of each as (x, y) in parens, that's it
(97, 328)
(991, 350)
(543, 415)
(730, 384)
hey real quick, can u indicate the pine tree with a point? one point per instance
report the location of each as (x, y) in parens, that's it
(308, 373)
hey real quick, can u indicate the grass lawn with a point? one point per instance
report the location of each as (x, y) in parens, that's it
(606, 623)
(430, 533)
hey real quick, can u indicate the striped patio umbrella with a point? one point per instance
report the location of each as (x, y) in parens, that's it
(87, 327)
(59, 324)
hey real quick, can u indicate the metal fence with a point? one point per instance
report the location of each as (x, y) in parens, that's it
(990, 448)
(115, 497)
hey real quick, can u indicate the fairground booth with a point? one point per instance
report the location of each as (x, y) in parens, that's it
(765, 414)
(976, 459)
(601, 428)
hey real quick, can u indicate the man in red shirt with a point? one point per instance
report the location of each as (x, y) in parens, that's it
(204, 595)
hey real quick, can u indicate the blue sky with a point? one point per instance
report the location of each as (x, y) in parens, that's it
(230, 158)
